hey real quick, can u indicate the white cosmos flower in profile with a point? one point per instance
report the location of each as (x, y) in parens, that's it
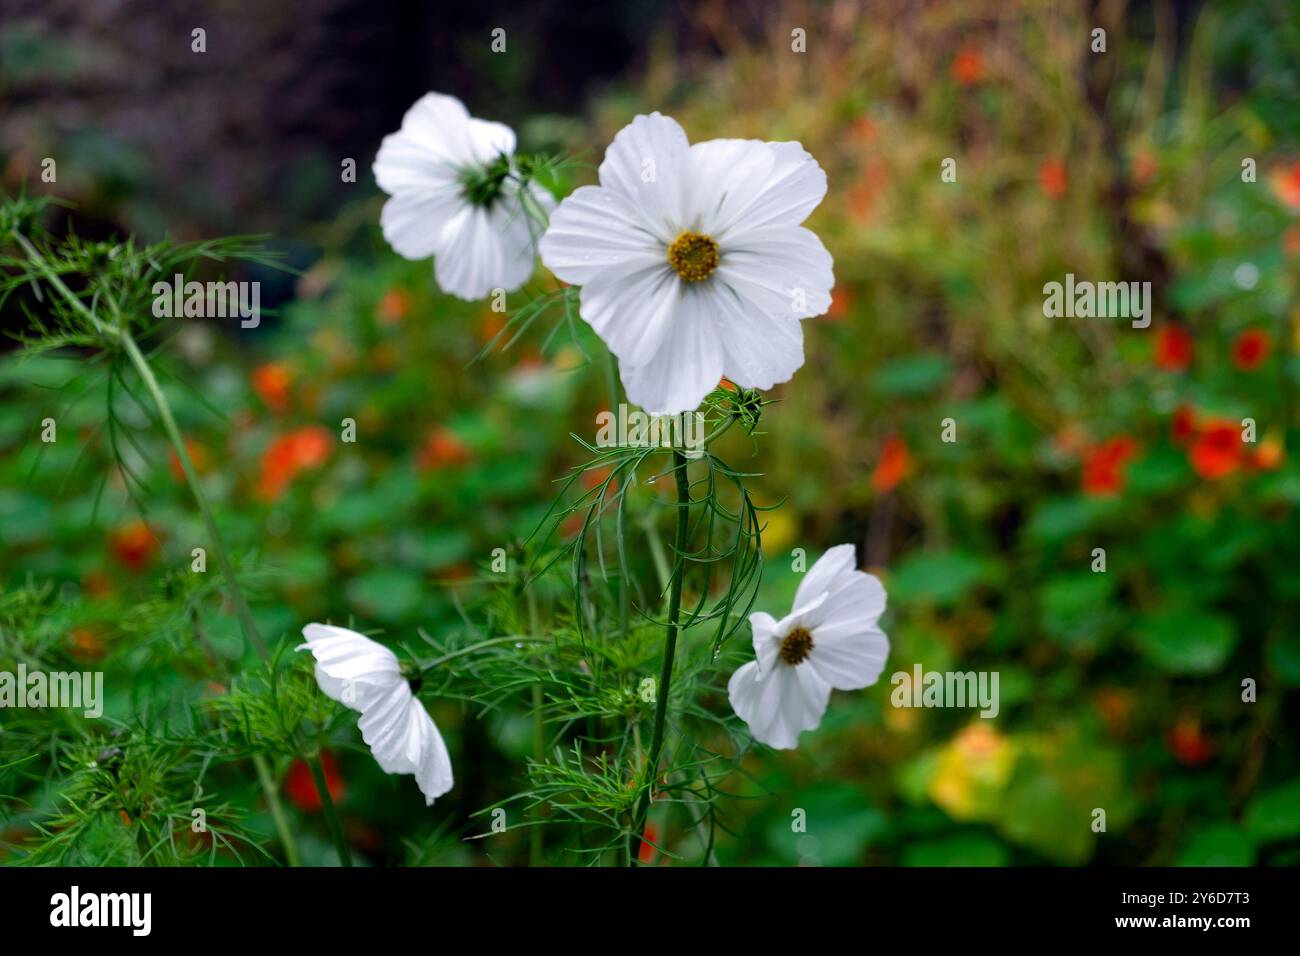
(366, 676)
(692, 260)
(456, 197)
(830, 640)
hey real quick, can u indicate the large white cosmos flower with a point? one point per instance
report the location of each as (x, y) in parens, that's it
(366, 676)
(455, 196)
(692, 260)
(830, 640)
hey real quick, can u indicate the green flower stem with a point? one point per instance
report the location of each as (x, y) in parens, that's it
(670, 650)
(277, 810)
(539, 733)
(327, 804)
(191, 476)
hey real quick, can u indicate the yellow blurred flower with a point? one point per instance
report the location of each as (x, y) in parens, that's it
(972, 771)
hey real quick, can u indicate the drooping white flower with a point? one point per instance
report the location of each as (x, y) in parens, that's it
(830, 640)
(366, 676)
(692, 260)
(455, 196)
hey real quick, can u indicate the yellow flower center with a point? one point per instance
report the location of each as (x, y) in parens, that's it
(797, 646)
(693, 256)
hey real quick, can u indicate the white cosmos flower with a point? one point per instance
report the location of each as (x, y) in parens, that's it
(830, 640)
(454, 198)
(366, 676)
(692, 260)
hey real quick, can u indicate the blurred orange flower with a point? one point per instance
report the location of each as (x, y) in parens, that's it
(307, 447)
(442, 447)
(1053, 178)
(271, 383)
(1173, 348)
(895, 464)
(1286, 185)
(134, 545)
(1267, 456)
(841, 302)
(393, 306)
(1103, 465)
(1291, 241)
(1251, 349)
(968, 65)
(87, 644)
(1217, 450)
(198, 457)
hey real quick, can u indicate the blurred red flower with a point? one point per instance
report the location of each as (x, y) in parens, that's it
(1251, 349)
(300, 788)
(1173, 348)
(968, 65)
(1103, 465)
(1217, 450)
(134, 545)
(1188, 742)
(1053, 178)
(646, 851)
(895, 464)
(1183, 427)
(442, 447)
(271, 383)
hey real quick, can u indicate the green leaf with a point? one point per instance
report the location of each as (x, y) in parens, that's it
(915, 375)
(1275, 814)
(964, 849)
(1187, 640)
(941, 577)
(1222, 845)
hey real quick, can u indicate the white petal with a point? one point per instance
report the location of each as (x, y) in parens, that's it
(488, 140)
(633, 306)
(484, 249)
(792, 188)
(350, 667)
(779, 704)
(784, 271)
(849, 661)
(404, 165)
(440, 125)
(835, 564)
(725, 177)
(762, 350)
(856, 598)
(386, 729)
(687, 365)
(413, 223)
(767, 639)
(646, 164)
(595, 228)
(433, 771)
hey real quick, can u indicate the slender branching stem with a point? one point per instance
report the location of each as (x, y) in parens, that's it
(475, 648)
(327, 805)
(122, 337)
(670, 650)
